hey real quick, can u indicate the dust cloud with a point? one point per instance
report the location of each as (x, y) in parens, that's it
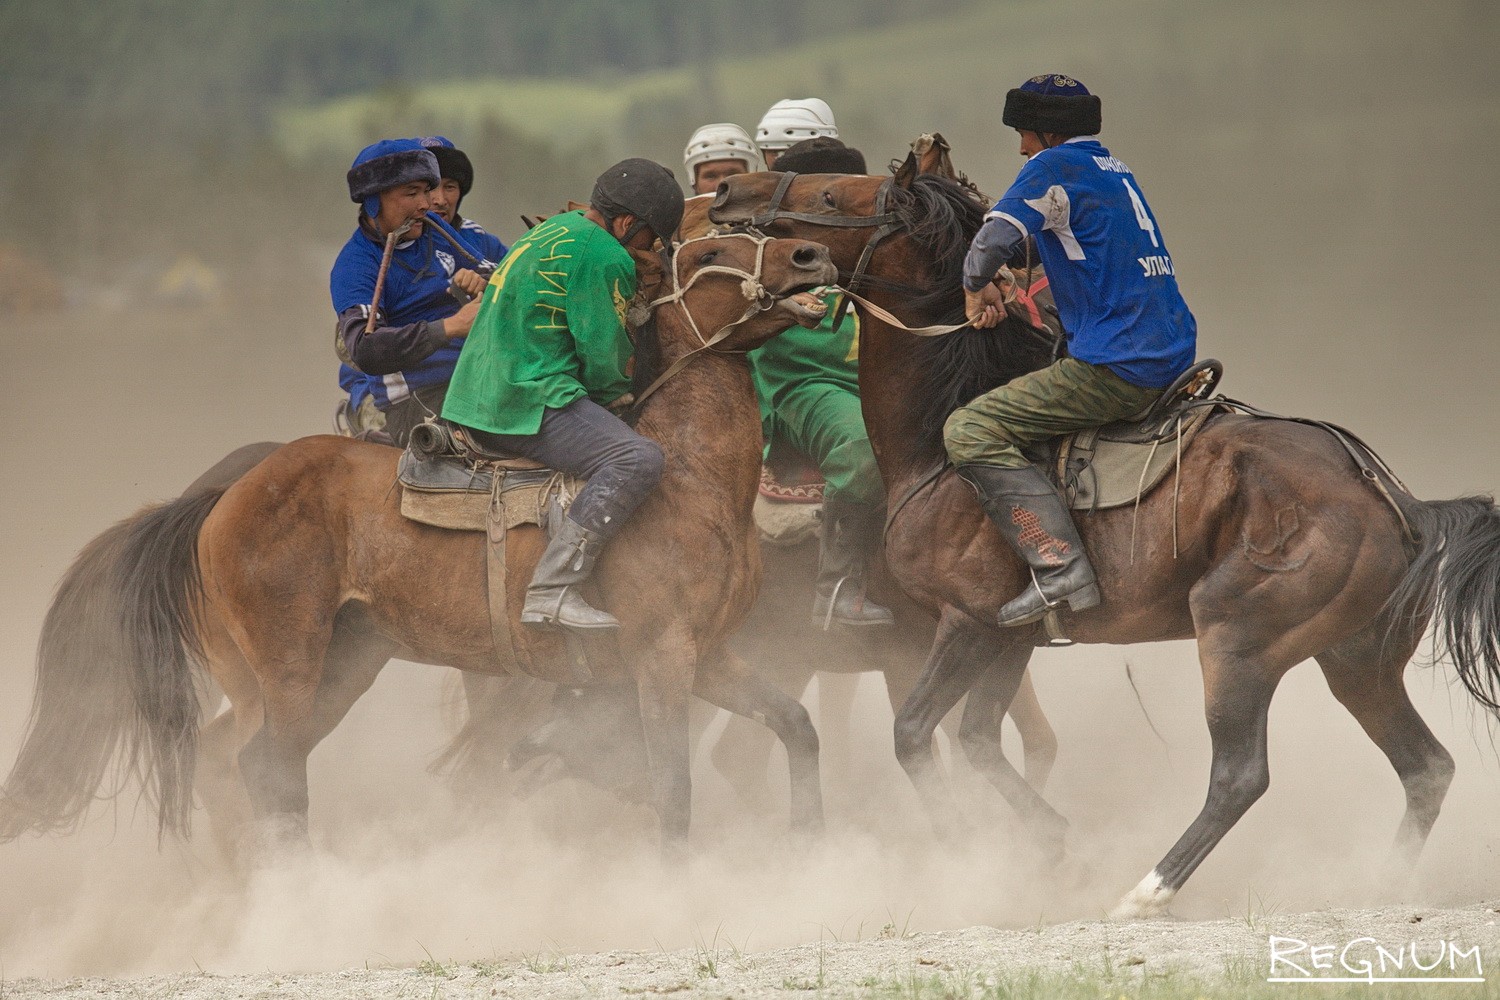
(1341, 263)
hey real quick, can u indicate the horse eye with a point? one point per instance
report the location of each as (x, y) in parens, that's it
(708, 258)
(828, 199)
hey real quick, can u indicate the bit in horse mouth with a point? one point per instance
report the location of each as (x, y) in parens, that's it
(808, 308)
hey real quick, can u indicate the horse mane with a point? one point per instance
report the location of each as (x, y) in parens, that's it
(942, 217)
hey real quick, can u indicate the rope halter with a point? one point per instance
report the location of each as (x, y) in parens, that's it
(759, 300)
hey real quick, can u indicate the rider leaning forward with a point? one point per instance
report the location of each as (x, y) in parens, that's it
(397, 373)
(1129, 332)
(547, 354)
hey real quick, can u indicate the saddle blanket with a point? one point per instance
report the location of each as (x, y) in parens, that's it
(1114, 465)
(449, 493)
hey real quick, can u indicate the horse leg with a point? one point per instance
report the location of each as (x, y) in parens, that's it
(728, 682)
(961, 651)
(1365, 675)
(1038, 740)
(303, 701)
(836, 694)
(664, 681)
(1237, 696)
(219, 787)
(743, 750)
(979, 734)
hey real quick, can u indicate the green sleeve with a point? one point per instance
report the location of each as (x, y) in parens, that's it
(598, 294)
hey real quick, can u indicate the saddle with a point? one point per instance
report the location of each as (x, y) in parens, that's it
(1117, 464)
(450, 481)
(789, 504)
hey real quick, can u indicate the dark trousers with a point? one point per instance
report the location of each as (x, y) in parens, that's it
(586, 440)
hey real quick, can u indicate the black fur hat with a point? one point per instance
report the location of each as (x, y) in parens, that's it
(386, 164)
(821, 155)
(453, 162)
(1055, 103)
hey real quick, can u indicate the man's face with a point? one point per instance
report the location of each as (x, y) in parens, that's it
(1031, 143)
(770, 155)
(398, 204)
(642, 240)
(706, 176)
(445, 198)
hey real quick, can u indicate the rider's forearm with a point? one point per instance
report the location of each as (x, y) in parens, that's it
(386, 349)
(995, 243)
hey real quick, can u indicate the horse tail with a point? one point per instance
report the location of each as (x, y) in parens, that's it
(114, 676)
(1454, 581)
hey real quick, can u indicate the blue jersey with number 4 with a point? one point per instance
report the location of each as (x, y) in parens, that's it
(1111, 275)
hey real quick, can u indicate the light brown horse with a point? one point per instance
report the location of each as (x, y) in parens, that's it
(1280, 547)
(297, 583)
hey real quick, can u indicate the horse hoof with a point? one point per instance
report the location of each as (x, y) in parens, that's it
(1147, 901)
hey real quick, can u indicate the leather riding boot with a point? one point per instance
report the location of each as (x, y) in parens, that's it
(1030, 515)
(553, 597)
(851, 532)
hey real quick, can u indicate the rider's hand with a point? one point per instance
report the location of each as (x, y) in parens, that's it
(471, 282)
(984, 308)
(458, 324)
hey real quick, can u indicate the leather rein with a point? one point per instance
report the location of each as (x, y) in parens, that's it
(885, 223)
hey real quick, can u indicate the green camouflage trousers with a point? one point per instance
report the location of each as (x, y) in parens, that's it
(825, 424)
(1066, 396)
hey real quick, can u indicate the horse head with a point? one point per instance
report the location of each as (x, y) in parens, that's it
(732, 292)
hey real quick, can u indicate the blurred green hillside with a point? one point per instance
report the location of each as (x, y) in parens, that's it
(1327, 113)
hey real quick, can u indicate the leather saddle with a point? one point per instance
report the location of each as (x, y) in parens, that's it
(1116, 464)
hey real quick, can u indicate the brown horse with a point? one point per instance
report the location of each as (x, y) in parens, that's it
(1279, 548)
(784, 648)
(297, 583)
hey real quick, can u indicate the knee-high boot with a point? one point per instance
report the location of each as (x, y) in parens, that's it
(851, 532)
(1031, 516)
(553, 597)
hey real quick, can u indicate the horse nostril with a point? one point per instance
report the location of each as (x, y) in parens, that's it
(721, 196)
(806, 257)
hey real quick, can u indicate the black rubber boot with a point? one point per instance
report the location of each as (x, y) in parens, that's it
(1031, 517)
(552, 597)
(851, 532)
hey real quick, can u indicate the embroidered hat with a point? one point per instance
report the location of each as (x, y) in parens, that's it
(1053, 102)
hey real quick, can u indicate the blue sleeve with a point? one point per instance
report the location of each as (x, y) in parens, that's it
(386, 349)
(995, 243)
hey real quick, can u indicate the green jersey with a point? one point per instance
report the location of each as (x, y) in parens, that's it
(802, 360)
(551, 329)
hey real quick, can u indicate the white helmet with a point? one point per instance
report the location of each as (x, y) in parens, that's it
(790, 121)
(722, 141)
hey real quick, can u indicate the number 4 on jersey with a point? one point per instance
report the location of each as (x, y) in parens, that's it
(1140, 212)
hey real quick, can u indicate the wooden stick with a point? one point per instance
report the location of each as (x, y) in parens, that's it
(385, 265)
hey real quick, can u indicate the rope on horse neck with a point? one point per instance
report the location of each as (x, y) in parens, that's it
(750, 287)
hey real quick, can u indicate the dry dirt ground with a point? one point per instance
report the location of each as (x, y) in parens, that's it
(977, 961)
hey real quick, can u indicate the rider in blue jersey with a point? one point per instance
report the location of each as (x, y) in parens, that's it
(1129, 332)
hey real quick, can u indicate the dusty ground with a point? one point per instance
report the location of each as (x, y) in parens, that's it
(971, 962)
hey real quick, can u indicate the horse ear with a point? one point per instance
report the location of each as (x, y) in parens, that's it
(649, 273)
(907, 172)
(935, 159)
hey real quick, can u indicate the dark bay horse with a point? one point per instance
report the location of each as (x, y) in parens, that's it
(296, 584)
(1277, 549)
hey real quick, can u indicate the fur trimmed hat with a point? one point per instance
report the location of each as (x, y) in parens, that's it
(453, 163)
(821, 155)
(1055, 103)
(386, 164)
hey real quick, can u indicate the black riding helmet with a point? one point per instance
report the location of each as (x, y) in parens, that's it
(644, 189)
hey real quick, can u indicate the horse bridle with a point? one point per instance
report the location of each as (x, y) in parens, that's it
(885, 222)
(759, 298)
